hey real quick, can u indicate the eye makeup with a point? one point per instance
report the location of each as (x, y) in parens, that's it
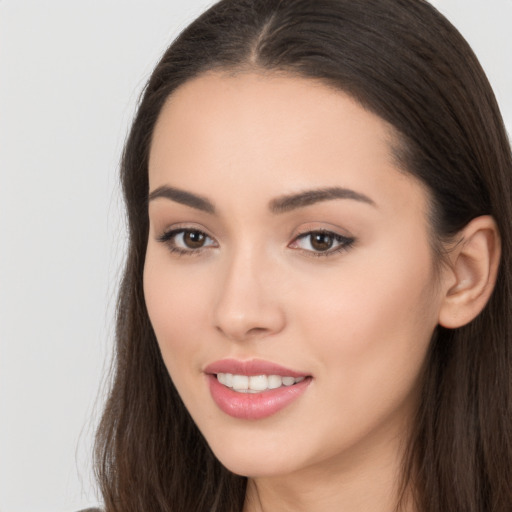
(319, 242)
(186, 241)
(322, 243)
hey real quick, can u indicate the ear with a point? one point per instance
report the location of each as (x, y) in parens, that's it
(470, 278)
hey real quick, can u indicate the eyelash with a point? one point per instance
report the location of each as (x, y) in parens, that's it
(344, 243)
(169, 238)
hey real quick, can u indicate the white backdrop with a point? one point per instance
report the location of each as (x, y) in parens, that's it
(70, 75)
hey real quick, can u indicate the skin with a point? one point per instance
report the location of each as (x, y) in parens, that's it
(358, 320)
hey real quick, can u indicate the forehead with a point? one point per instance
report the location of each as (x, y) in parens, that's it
(272, 133)
(265, 104)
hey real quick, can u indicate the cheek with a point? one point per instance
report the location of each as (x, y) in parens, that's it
(369, 339)
(375, 321)
(176, 308)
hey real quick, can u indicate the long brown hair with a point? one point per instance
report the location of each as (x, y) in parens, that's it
(405, 62)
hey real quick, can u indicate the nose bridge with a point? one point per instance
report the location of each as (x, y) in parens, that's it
(248, 303)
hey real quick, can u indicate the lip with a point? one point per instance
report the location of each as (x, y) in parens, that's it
(251, 367)
(253, 406)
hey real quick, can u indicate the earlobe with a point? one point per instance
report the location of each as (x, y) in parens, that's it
(472, 273)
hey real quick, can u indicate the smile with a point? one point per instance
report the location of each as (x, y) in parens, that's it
(253, 390)
(256, 383)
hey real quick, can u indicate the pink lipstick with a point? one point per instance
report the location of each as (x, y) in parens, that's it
(254, 389)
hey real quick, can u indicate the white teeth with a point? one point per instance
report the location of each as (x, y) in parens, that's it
(258, 382)
(240, 382)
(274, 381)
(255, 383)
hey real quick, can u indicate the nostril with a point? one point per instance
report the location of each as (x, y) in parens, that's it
(256, 330)
(243, 334)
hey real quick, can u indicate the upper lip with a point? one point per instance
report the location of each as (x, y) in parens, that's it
(251, 367)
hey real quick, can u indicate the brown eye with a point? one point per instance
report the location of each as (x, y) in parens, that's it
(187, 241)
(321, 241)
(194, 239)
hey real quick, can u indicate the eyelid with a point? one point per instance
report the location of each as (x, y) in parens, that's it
(181, 226)
(344, 242)
(167, 236)
(341, 242)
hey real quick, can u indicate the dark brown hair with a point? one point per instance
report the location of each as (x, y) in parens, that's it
(402, 60)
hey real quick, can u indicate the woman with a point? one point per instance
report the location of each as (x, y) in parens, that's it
(316, 308)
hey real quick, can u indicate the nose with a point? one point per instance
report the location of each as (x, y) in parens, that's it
(248, 304)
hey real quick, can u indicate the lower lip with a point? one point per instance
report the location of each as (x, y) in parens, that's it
(254, 406)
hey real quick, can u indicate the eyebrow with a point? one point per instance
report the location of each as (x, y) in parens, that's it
(279, 205)
(291, 202)
(183, 197)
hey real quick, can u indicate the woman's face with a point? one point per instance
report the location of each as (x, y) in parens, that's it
(285, 245)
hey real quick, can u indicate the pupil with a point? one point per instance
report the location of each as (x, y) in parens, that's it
(194, 239)
(322, 241)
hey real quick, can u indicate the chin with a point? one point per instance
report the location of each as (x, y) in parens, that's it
(255, 460)
(255, 468)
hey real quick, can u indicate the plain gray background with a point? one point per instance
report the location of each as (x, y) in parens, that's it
(70, 75)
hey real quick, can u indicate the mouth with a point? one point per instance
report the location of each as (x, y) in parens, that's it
(253, 390)
(256, 383)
